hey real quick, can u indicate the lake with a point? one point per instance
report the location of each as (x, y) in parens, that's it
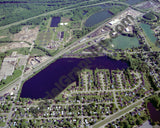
(55, 21)
(124, 42)
(42, 83)
(147, 29)
(154, 114)
(97, 18)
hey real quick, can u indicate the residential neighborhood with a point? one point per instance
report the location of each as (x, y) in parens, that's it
(80, 64)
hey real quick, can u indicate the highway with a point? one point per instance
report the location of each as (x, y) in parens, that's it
(117, 115)
(77, 43)
(62, 52)
(58, 11)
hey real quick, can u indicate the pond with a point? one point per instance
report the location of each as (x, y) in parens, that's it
(104, 14)
(147, 29)
(55, 21)
(49, 78)
(124, 42)
(154, 114)
(97, 18)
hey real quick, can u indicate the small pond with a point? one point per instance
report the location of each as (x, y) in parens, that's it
(55, 21)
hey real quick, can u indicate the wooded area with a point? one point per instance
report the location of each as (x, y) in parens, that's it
(13, 11)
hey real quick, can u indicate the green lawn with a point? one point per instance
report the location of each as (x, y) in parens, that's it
(6, 35)
(152, 45)
(149, 35)
(15, 75)
(2, 124)
(37, 52)
(147, 83)
(23, 51)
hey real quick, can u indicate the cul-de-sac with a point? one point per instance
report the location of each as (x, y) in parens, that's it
(79, 63)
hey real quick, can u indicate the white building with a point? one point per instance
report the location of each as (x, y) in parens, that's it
(114, 22)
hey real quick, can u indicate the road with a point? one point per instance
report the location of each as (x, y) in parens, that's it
(66, 50)
(121, 112)
(19, 85)
(82, 117)
(117, 115)
(60, 10)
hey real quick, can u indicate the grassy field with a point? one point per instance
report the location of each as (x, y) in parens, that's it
(23, 51)
(147, 83)
(152, 45)
(2, 124)
(6, 36)
(15, 75)
(149, 38)
(37, 52)
(4, 32)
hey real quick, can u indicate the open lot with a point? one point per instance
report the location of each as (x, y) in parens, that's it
(13, 45)
(155, 6)
(26, 34)
(2, 37)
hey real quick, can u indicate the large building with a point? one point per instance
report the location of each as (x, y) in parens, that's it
(8, 67)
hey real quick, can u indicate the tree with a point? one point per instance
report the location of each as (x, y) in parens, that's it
(149, 16)
(144, 118)
(139, 121)
(24, 124)
(15, 29)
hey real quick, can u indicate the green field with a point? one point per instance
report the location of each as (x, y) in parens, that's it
(6, 35)
(124, 42)
(2, 124)
(37, 52)
(23, 51)
(15, 75)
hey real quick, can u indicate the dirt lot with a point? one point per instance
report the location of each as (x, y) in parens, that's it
(26, 34)
(155, 6)
(13, 46)
(64, 19)
(2, 37)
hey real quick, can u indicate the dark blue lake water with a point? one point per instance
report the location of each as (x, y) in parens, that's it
(49, 78)
(154, 114)
(55, 21)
